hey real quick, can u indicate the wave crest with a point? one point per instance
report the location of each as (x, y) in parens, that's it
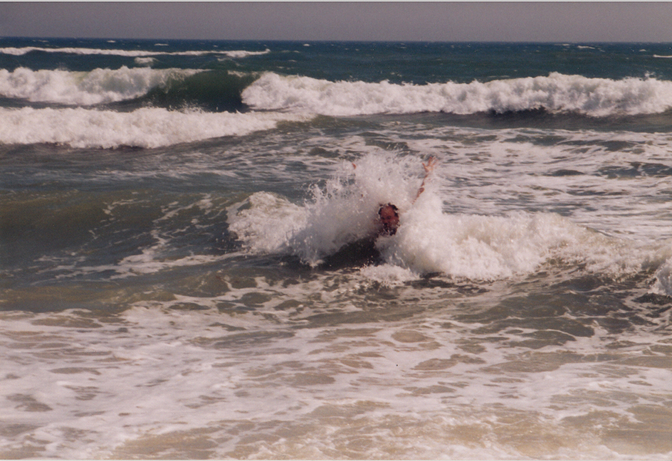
(129, 53)
(146, 127)
(429, 240)
(597, 97)
(99, 86)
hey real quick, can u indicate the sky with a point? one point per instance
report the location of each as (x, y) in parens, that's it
(366, 21)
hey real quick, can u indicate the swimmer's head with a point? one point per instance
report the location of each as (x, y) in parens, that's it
(389, 218)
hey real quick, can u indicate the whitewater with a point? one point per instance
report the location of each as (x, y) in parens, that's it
(553, 93)
(288, 99)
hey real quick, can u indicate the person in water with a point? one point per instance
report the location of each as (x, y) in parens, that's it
(364, 251)
(388, 218)
(388, 214)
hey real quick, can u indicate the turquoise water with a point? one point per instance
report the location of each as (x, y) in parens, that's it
(181, 226)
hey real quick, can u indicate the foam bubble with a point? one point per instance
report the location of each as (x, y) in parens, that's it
(555, 93)
(146, 127)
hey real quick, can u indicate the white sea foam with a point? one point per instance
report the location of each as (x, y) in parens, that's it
(663, 278)
(251, 386)
(268, 223)
(428, 240)
(341, 213)
(554, 93)
(129, 53)
(388, 274)
(147, 61)
(477, 247)
(146, 127)
(244, 54)
(85, 88)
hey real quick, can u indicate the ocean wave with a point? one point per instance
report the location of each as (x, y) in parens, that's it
(172, 88)
(597, 97)
(129, 53)
(146, 127)
(429, 240)
(85, 88)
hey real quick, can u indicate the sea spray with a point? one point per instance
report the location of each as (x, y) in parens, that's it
(265, 222)
(343, 211)
(429, 239)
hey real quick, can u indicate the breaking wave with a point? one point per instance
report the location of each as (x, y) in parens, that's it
(145, 127)
(85, 88)
(428, 240)
(597, 97)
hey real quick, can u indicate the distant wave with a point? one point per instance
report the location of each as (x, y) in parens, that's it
(555, 93)
(146, 127)
(85, 88)
(129, 53)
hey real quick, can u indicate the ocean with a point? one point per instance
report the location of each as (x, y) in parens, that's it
(190, 267)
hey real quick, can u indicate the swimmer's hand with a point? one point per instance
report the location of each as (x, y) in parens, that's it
(429, 166)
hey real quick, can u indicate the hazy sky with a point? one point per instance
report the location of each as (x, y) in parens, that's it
(404, 21)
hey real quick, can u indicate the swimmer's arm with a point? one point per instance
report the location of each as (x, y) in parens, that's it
(429, 167)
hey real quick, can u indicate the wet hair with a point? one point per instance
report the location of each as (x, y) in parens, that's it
(394, 207)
